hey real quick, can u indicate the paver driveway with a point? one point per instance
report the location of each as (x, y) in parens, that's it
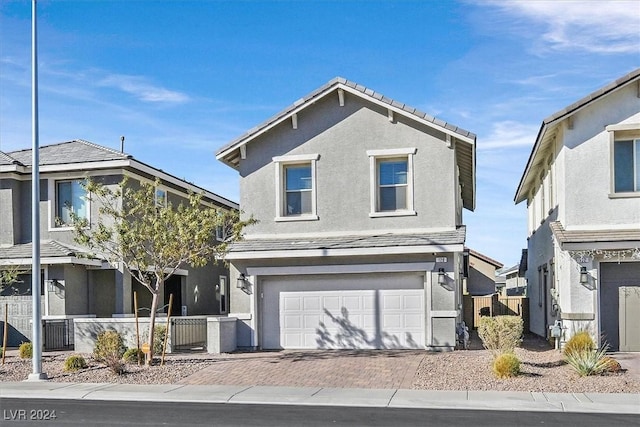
(314, 368)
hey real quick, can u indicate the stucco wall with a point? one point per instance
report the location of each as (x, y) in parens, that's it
(588, 164)
(341, 136)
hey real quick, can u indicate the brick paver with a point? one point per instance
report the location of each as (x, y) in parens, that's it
(314, 368)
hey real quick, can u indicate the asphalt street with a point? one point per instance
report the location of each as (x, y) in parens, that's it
(69, 412)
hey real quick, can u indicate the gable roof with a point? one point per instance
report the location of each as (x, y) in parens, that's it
(546, 134)
(462, 140)
(70, 152)
(488, 260)
(84, 155)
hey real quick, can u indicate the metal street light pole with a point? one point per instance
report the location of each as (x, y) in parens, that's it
(36, 340)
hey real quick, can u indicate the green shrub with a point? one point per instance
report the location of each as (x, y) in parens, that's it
(580, 342)
(26, 350)
(588, 362)
(159, 333)
(501, 334)
(506, 365)
(132, 355)
(109, 350)
(74, 363)
(158, 338)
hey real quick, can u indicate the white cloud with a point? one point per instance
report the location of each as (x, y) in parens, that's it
(508, 134)
(142, 89)
(592, 26)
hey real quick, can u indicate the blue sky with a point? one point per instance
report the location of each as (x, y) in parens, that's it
(182, 78)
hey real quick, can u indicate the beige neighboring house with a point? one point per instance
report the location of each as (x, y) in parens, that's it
(360, 239)
(582, 189)
(510, 282)
(481, 277)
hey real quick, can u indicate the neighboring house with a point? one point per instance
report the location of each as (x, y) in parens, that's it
(509, 282)
(582, 188)
(73, 284)
(481, 279)
(360, 238)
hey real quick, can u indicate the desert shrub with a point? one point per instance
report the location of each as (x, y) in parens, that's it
(26, 350)
(74, 363)
(501, 334)
(132, 355)
(109, 350)
(579, 342)
(158, 338)
(612, 365)
(506, 365)
(588, 362)
(159, 333)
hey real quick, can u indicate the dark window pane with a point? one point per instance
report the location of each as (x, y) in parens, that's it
(623, 165)
(393, 198)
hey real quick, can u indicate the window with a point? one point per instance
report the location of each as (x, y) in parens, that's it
(298, 187)
(161, 198)
(70, 198)
(626, 158)
(391, 182)
(296, 183)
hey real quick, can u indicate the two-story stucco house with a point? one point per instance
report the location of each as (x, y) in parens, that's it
(582, 188)
(73, 284)
(360, 237)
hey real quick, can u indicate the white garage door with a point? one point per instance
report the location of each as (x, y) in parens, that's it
(346, 311)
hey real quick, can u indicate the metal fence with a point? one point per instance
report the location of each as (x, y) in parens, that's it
(189, 333)
(57, 334)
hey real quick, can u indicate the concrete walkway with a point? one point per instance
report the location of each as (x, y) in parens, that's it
(318, 396)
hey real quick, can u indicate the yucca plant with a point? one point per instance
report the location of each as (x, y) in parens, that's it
(588, 362)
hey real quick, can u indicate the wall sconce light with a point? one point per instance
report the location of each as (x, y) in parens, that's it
(442, 278)
(584, 276)
(241, 283)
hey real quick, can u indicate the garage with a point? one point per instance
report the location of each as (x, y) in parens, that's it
(346, 311)
(620, 305)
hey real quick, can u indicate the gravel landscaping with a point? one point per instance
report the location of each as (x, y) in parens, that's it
(542, 369)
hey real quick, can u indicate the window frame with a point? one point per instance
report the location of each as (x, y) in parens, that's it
(55, 202)
(165, 202)
(618, 133)
(281, 163)
(388, 154)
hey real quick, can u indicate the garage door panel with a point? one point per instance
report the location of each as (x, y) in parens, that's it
(392, 302)
(291, 303)
(312, 303)
(353, 311)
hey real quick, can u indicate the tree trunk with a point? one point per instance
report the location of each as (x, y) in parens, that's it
(152, 325)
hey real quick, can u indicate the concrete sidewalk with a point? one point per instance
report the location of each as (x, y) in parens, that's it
(318, 396)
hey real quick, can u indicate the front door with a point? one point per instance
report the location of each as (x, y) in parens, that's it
(173, 285)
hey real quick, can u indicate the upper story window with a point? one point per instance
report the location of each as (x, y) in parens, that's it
(71, 198)
(296, 187)
(391, 182)
(161, 198)
(626, 158)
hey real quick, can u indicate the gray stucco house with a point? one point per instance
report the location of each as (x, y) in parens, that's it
(582, 189)
(75, 285)
(360, 238)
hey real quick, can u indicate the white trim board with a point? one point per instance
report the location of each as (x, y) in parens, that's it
(340, 269)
